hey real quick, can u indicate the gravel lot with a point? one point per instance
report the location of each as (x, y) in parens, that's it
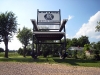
(13, 68)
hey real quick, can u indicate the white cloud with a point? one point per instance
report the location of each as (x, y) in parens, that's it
(70, 17)
(67, 36)
(88, 28)
(70, 37)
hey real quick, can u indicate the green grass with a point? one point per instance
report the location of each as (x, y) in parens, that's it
(78, 62)
(14, 57)
(10, 54)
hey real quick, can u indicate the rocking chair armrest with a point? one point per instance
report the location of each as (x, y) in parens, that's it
(35, 24)
(63, 24)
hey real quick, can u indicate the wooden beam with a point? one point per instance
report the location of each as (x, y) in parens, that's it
(34, 23)
(63, 24)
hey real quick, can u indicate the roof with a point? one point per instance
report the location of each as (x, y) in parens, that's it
(78, 48)
(75, 48)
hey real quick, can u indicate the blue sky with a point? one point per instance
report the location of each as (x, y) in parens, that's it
(82, 14)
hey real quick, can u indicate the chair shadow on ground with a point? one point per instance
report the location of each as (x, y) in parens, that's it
(68, 61)
(73, 62)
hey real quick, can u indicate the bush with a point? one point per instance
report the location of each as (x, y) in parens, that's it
(84, 55)
(27, 53)
(75, 54)
(45, 53)
(1, 50)
(79, 53)
(96, 55)
(20, 51)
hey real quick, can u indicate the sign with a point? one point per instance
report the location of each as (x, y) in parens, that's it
(48, 17)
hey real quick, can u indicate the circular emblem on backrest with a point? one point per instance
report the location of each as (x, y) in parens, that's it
(48, 16)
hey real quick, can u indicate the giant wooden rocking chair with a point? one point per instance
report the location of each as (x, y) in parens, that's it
(41, 34)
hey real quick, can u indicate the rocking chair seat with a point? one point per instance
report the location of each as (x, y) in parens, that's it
(48, 35)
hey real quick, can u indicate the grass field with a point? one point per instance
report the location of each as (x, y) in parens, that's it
(14, 57)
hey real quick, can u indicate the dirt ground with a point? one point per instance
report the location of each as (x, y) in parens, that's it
(13, 68)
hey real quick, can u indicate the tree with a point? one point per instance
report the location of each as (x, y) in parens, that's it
(98, 26)
(25, 36)
(8, 26)
(93, 45)
(74, 42)
(69, 43)
(83, 40)
(87, 47)
(98, 45)
(97, 51)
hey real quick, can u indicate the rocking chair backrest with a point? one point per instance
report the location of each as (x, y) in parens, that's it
(50, 20)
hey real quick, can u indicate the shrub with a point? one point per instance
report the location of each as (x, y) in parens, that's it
(27, 53)
(45, 53)
(84, 55)
(1, 50)
(75, 54)
(20, 51)
(96, 55)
